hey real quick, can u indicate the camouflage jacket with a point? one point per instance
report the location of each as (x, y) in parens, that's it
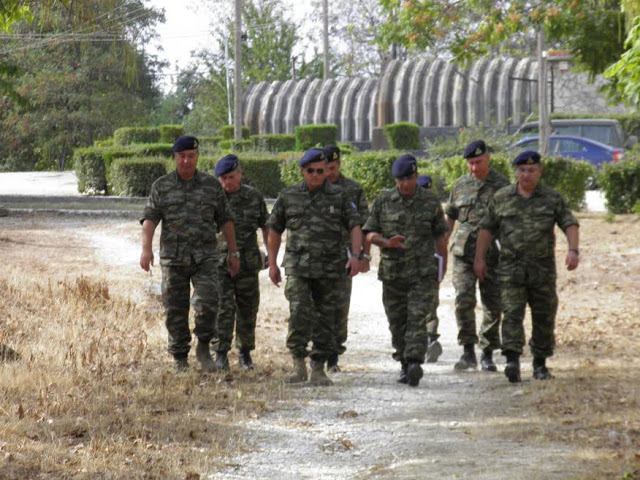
(355, 195)
(249, 213)
(191, 212)
(525, 225)
(314, 220)
(468, 204)
(420, 220)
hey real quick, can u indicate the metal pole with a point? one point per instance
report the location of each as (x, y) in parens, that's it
(325, 35)
(226, 67)
(543, 111)
(237, 87)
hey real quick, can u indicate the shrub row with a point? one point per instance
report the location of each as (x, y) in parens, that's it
(621, 184)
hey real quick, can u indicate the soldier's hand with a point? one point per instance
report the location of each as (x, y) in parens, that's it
(274, 275)
(353, 266)
(572, 260)
(146, 260)
(233, 264)
(365, 265)
(480, 268)
(396, 242)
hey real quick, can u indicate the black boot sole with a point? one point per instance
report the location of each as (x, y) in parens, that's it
(414, 374)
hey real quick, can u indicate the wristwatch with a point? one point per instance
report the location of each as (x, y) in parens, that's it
(575, 250)
(364, 256)
(234, 254)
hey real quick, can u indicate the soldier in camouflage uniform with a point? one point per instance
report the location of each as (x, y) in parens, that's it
(434, 348)
(191, 206)
(314, 213)
(240, 295)
(467, 204)
(356, 196)
(407, 223)
(523, 217)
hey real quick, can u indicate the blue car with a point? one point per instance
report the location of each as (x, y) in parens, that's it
(581, 148)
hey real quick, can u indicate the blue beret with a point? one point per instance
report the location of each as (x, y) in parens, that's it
(404, 166)
(424, 181)
(528, 157)
(186, 142)
(475, 149)
(333, 153)
(227, 164)
(312, 155)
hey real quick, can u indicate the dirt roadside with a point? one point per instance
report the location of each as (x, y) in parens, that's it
(471, 425)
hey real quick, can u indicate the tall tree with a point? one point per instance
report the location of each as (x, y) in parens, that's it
(624, 75)
(82, 75)
(11, 11)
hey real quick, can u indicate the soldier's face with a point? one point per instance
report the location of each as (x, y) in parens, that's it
(479, 166)
(314, 174)
(186, 162)
(528, 176)
(407, 185)
(231, 181)
(333, 171)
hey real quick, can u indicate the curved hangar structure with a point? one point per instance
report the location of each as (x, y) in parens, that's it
(427, 91)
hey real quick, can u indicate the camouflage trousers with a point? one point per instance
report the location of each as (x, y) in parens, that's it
(432, 317)
(314, 306)
(238, 307)
(407, 303)
(464, 282)
(531, 283)
(176, 289)
(342, 324)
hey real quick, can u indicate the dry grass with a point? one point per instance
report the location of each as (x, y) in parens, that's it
(94, 394)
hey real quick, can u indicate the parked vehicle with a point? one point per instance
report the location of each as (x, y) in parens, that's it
(603, 130)
(580, 148)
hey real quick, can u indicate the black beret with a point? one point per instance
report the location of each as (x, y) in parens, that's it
(227, 164)
(475, 149)
(186, 142)
(528, 157)
(404, 166)
(312, 155)
(333, 153)
(424, 181)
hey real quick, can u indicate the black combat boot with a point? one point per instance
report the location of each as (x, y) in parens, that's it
(203, 354)
(414, 374)
(222, 361)
(245, 360)
(540, 370)
(468, 359)
(181, 362)
(434, 349)
(512, 369)
(403, 373)
(332, 363)
(486, 361)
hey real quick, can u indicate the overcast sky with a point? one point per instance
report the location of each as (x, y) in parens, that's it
(188, 28)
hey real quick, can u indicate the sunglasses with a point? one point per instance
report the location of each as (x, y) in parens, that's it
(311, 171)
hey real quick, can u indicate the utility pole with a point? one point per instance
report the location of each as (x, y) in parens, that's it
(226, 67)
(237, 87)
(325, 37)
(544, 125)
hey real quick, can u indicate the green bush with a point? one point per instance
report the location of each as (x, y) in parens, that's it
(133, 177)
(403, 136)
(431, 168)
(209, 142)
(452, 168)
(103, 143)
(90, 170)
(309, 136)
(345, 148)
(274, 142)
(620, 183)
(109, 154)
(169, 133)
(497, 140)
(227, 132)
(372, 170)
(129, 135)
(289, 170)
(236, 145)
(153, 149)
(568, 176)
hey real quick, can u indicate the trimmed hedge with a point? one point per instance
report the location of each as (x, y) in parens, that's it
(309, 136)
(568, 176)
(620, 183)
(345, 148)
(133, 177)
(90, 170)
(169, 133)
(236, 145)
(227, 132)
(403, 136)
(274, 142)
(154, 149)
(372, 170)
(209, 142)
(129, 135)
